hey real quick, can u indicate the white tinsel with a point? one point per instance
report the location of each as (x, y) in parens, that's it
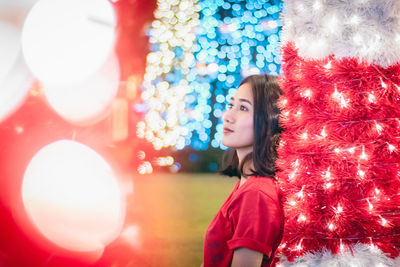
(368, 29)
(363, 256)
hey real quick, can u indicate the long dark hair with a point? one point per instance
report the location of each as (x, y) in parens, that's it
(267, 130)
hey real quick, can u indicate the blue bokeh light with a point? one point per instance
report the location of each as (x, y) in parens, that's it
(234, 39)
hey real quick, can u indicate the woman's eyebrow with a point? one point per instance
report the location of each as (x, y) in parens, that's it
(242, 100)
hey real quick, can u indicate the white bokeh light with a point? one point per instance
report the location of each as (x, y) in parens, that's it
(15, 78)
(72, 197)
(18, 3)
(14, 89)
(9, 48)
(67, 40)
(88, 101)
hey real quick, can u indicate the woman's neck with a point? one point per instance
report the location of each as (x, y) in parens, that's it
(242, 152)
(248, 166)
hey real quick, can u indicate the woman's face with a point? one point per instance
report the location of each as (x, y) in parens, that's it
(238, 120)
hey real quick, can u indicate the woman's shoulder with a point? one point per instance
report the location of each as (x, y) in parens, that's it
(262, 183)
(266, 186)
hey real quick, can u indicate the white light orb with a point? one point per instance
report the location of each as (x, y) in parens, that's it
(67, 40)
(14, 88)
(18, 3)
(88, 101)
(72, 197)
(9, 48)
(15, 78)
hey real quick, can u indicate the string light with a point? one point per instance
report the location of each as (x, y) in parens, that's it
(371, 97)
(300, 194)
(363, 156)
(292, 174)
(307, 94)
(370, 206)
(377, 191)
(302, 218)
(317, 5)
(383, 84)
(384, 222)
(296, 163)
(172, 37)
(299, 245)
(338, 209)
(328, 174)
(391, 147)
(371, 244)
(323, 133)
(378, 128)
(328, 65)
(286, 113)
(339, 98)
(341, 246)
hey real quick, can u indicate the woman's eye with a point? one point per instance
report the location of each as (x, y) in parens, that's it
(229, 106)
(243, 108)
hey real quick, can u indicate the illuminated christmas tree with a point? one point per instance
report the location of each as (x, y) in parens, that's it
(340, 152)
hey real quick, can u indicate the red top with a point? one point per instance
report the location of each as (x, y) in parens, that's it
(251, 217)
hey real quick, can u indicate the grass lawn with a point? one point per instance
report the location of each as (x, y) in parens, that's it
(172, 212)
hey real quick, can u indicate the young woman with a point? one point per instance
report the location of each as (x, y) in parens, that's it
(248, 227)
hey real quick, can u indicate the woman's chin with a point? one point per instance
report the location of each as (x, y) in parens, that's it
(227, 144)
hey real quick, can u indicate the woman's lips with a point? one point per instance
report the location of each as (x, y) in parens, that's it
(226, 130)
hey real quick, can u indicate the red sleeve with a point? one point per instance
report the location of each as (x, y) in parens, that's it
(256, 222)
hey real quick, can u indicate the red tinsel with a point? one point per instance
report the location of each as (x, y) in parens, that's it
(339, 154)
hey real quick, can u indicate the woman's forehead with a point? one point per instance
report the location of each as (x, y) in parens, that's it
(244, 91)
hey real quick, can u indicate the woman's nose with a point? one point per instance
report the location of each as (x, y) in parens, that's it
(228, 116)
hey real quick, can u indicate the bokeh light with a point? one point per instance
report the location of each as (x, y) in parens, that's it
(186, 90)
(72, 197)
(15, 78)
(19, 3)
(88, 101)
(235, 39)
(9, 49)
(165, 86)
(65, 41)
